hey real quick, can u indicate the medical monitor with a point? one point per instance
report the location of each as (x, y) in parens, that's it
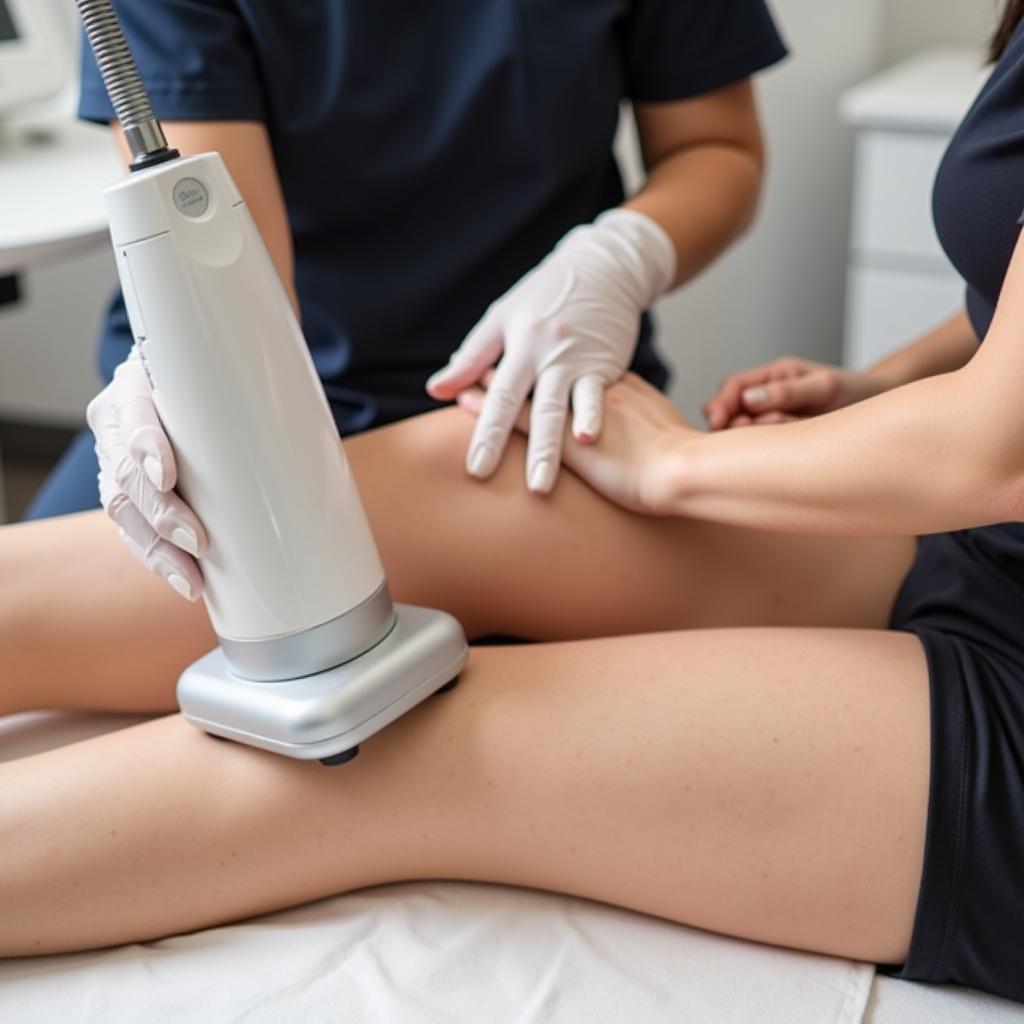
(34, 52)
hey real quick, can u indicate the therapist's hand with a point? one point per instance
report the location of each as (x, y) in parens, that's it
(137, 479)
(636, 464)
(568, 330)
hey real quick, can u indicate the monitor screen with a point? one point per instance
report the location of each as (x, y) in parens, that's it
(7, 29)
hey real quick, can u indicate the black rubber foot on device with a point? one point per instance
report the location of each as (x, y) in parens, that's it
(447, 687)
(343, 758)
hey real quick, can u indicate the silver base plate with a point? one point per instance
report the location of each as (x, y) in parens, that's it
(321, 716)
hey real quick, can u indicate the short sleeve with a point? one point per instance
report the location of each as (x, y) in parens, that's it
(676, 49)
(195, 57)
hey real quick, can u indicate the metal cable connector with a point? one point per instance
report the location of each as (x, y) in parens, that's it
(142, 130)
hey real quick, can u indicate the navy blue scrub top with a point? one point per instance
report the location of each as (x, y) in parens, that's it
(430, 154)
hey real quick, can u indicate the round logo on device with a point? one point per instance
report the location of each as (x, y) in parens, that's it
(191, 197)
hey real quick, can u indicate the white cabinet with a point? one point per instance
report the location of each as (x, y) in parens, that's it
(48, 340)
(53, 235)
(900, 283)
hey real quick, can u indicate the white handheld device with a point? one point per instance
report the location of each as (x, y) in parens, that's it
(313, 656)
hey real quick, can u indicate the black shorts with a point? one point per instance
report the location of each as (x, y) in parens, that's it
(964, 599)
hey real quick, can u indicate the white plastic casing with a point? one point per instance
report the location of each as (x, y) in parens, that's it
(258, 454)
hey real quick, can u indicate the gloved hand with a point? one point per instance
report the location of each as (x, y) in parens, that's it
(569, 327)
(137, 479)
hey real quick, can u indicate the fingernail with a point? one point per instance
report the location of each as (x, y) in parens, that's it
(153, 470)
(755, 396)
(181, 585)
(481, 462)
(436, 378)
(186, 540)
(588, 429)
(542, 477)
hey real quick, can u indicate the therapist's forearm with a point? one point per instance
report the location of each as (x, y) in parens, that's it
(943, 350)
(924, 458)
(704, 197)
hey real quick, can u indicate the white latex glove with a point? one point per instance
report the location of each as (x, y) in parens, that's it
(137, 479)
(569, 328)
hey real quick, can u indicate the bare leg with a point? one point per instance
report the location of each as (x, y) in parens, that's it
(768, 784)
(81, 625)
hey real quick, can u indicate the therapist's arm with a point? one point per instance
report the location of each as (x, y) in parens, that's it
(156, 524)
(568, 330)
(705, 163)
(245, 147)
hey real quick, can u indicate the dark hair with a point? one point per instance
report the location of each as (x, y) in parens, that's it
(1007, 26)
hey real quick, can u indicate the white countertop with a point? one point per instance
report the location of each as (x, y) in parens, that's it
(929, 92)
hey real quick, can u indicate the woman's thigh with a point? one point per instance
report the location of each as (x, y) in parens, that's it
(572, 565)
(769, 784)
(82, 625)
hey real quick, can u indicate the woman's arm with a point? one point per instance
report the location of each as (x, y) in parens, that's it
(942, 453)
(794, 388)
(705, 161)
(949, 347)
(245, 147)
(913, 460)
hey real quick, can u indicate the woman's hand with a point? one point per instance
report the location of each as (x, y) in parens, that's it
(784, 390)
(569, 328)
(137, 479)
(636, 461)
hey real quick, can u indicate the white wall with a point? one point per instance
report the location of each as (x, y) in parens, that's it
(913, 24)
(782, 288)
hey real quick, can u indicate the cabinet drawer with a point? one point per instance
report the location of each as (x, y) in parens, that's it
(892, 214)
(889, 308)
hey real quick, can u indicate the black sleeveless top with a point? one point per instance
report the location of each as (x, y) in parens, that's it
(970, 583)
(979, 191)
(964, 600)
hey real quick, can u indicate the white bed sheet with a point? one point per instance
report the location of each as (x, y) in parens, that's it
(452, 953)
